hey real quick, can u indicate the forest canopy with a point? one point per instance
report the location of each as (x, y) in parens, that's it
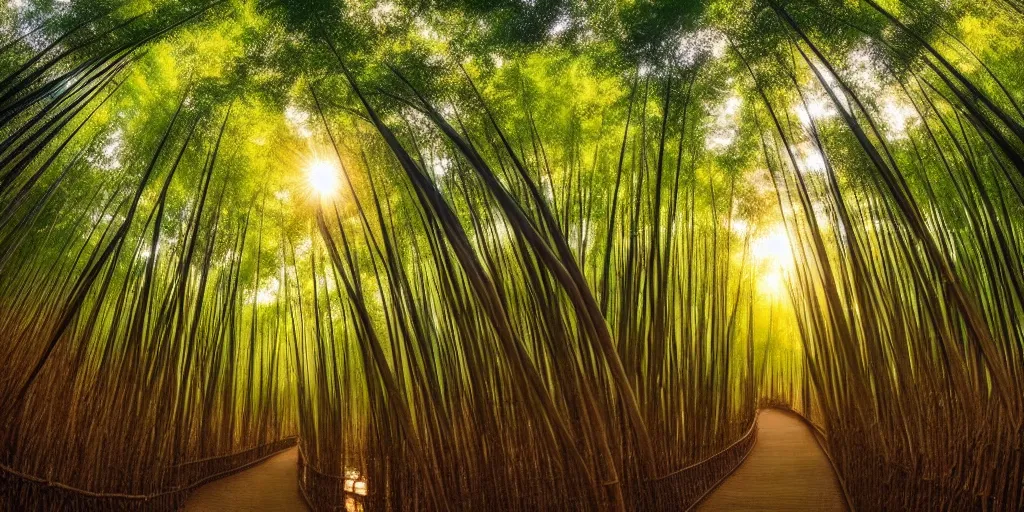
(462, 249)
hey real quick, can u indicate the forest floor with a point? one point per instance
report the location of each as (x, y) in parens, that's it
(271, 486)
(786, 470)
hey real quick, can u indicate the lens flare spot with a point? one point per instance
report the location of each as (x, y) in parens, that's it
(774, 257)
(323, 178)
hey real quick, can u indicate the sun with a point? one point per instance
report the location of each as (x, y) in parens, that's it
(774, 258)
(772, 247)
(323, 178)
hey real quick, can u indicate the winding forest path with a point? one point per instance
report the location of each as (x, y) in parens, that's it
(271, 486)
(786, 470)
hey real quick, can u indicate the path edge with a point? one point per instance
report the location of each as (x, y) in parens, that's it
(724, 477)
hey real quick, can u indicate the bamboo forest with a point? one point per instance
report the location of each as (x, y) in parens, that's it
(511, 255)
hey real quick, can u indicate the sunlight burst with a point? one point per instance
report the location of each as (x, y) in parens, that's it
(323, 178)
(772, 253)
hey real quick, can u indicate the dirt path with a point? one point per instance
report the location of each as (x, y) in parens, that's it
(272, 486)
(786, 470)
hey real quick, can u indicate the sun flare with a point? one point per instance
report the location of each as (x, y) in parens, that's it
(323, 178)
(771, 252)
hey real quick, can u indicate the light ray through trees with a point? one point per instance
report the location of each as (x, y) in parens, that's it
(554, 255)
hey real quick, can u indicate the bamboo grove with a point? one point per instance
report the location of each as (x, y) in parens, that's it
(542, 256)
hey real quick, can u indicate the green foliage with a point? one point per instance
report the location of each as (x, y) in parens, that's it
(596, 233)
